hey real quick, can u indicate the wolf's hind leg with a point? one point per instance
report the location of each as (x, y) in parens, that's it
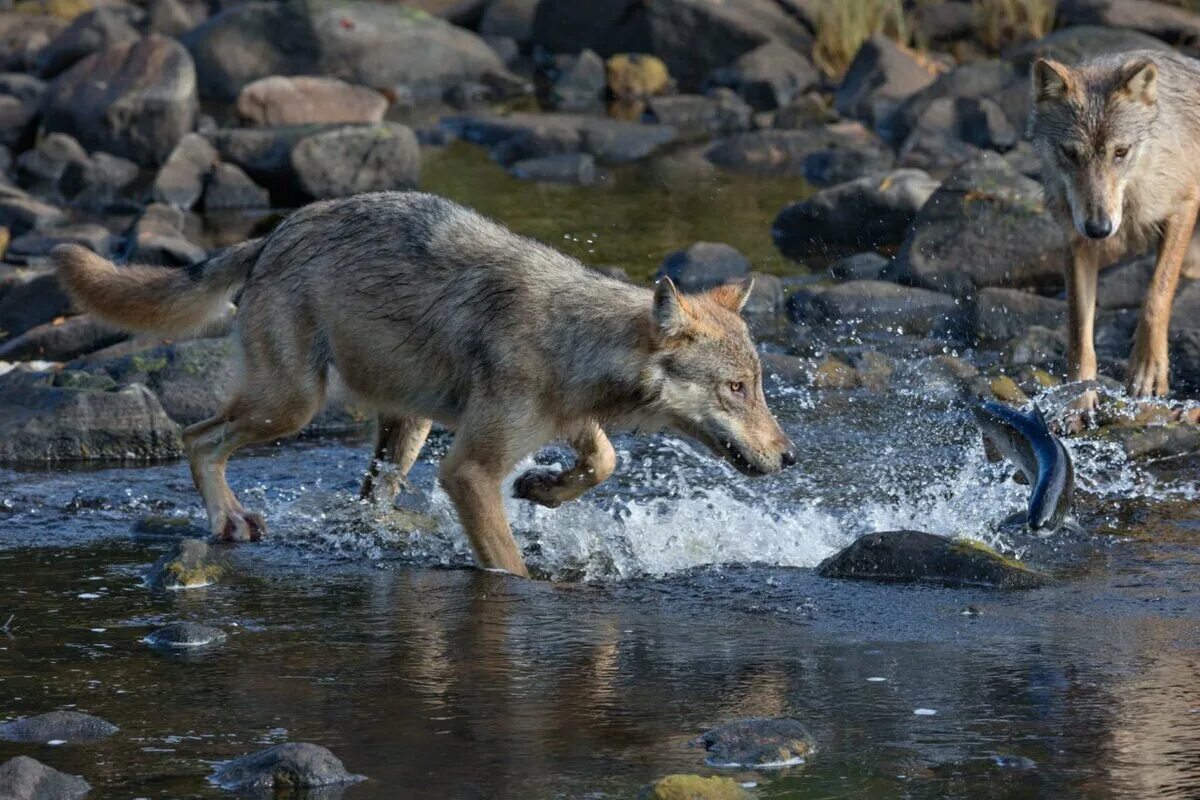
(398, 442)
(595, 462)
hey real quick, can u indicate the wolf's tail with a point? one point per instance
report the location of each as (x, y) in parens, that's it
(168, 300)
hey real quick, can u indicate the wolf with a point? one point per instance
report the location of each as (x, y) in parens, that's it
(1119, 140)
(427, 311)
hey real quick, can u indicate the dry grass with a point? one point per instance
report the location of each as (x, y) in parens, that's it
(843, 25)
(1003, 22)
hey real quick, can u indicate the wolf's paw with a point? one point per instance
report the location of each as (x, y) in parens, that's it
(242, 526)
(1149, 375)
(1081, 414)
(538, 486)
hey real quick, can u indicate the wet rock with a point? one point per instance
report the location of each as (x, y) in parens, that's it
(845, 164)
(781, 369)
(1155, 441)
(578, 169)
(181, 178)
(865, 214)
(972, 80)
(936, 152)
(636, 76)
(703, 265)
(766, 295)
(190, 564)
(1079, 42)
(885, 306)
(1164, 21)
(881, 76)
(580, 86)
(24, 778)
(18, 120)
(73, 416)
(20, 212)
(40, 168)
(511, 19)
(833, 373)
(98, 183)
(61, 340)
(986, 226)
(157, 526)
(754, 743)
(88, 33)
(521, 136)
(769, 76)
(1001, 314)
(37, 243)
(693, 37)
(694, 787)
(1006, 389)
(1037, 345)
(1125, 285)
(134, 99)
(694, 116)
(282, 768)
(350, 160)
(231, 188)
(874, 370)
(185, 635)
(67, 726)
(32, 299)
(158, 238)
(304, 99)
(917, 557)
(1185, 357)
(784, 152)
(866, 266)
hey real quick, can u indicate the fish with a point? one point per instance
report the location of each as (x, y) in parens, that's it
(1042, 462)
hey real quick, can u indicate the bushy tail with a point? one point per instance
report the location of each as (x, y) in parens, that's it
(168, 300)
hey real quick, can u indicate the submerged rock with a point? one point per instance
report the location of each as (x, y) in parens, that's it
(25, 778)
(191, 564)
(917, 557)
(157, 526)
(754, 743)
(183, 635)
(289, 766)
(67, 726)
(694, 787)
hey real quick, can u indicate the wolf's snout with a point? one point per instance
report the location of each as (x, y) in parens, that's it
(1098, 227)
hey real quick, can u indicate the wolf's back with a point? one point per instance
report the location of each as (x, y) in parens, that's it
(169, 300)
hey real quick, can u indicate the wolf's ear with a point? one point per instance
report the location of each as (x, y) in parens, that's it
(733, 296)
(670, 315)
(1139, 81)
(1051, 80)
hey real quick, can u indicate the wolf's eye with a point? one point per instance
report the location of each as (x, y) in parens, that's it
(1120, 153)
(738, 388)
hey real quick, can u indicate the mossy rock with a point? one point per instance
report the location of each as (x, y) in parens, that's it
(833, 373)
(83, 381)
(758, 743)
(694, 787)
(191, 564)
(63, 9)
(1005, 388)
(637, 75)
(157, 526)
(1154, 441)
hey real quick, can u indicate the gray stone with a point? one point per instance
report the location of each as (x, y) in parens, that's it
(190, 564)
(1002, 314)
(720, 112)
(573, 168)
(185, 635)
(784, 152)
(40, 242)
(18, 119)
(881, 76)
(521, 136)
(20, 212)
(307, 99)
(974, 79)
(752, 743)
(1125, 285)
(24, 778)
(581, 84)
(40, 168)
(1079, 42)
(843, 164)
(71, 338)
(769, 76)
(231, 188)
(1164, 21)
(512, 19)
(291, 766)
(858, 267)
(181, 178)
(67, 726)
(31, 299)
(350, 160)
(1037, 346)
(91, 31)
(97, 183)
(882, 306)
(704, 265)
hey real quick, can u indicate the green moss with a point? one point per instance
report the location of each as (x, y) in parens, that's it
(84, 381)
(969, 546)
(147, 363)
(192, 577)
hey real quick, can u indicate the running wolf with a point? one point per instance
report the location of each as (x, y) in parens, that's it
(1119, 140)
(429, 312)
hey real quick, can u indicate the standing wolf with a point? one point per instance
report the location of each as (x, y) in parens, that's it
(1119, 139)
(429, 312)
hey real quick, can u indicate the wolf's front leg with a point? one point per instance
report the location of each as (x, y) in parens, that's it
(1082, 277)
(595, 461)
(398, 442)
(1149, 365)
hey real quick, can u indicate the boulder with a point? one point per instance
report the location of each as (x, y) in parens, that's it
(866, 266)
(973, 80)
(843, 164)
(133, 99)
(580, 85)
(881, 77)
(720, 112)
(67, 726)
(986, 226)
(98, 183)
(18, 120)
(578, 169)
(1002, 314)
(158, 238)
(190, 564)
(89, 32)
(1125, 285)
(173, 17)
(20, 212)
(704, 265)
(229, 188)
(693, 37)
(519, 136)
(1078, 42)
(23, 36)
(941, 24)
(866, 214)
(39, 242)
(883, 306)
(766, 295)
(180, 180)
(351, 160)
(61, 340)
(285, 767)
(40, 168)
(917, 557)
(1185, 358)
(185, 636)
(978, 122)
(694, 787)
(769, 76)
(778, 152)
(31, 299)
(511, 19)
(74, 416)
(1165, 21)
(304, 99)
(1037, 345)
(1141, 442)
(757, 743)
(24, 778)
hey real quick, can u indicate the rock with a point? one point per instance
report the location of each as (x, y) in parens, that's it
(754, 743)
(694, 787)
(1001, 314)
(231, 188)
(366, 43)
(97, 183)
(24, 778)
(1037, 345)
(573, 168)
(809, 111)
(157, 526)
(40, 168)
(190, 564)
(766, 295)
(944, 23)
(1125, 285)
(511, 19)
(31, 300)
(978, 122)
(134, 99)
(695, 117)
(350, 160)
(61, 340)
(917, 557)
(23, 36)
(289, 766)
(39, 242)
(833, 373)
(884, 306)
(520, 136)
(73, 416)
(181, 178)
(633, 76)
(89, 32)
(1073, 44)
(881, 76)
(158, 238)
(784, 152)
(304, 99)
(580, 86)
(986, 226)
(18, 120)
(692, 37)
(858, 267)
(19, 212)
(185, 635)
(973, 80)
(1164, 21)
(1185, 358)
(865, 214)
(874, 370)
(172, 17)
(844, 164)
(768, 77)
(1142, 442)
(703, 265)
(68, 726)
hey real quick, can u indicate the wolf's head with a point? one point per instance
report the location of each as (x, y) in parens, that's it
(1091, 125)
(706, 378)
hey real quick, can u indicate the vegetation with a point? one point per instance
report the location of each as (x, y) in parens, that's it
(1002, 22)
(843, 26)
